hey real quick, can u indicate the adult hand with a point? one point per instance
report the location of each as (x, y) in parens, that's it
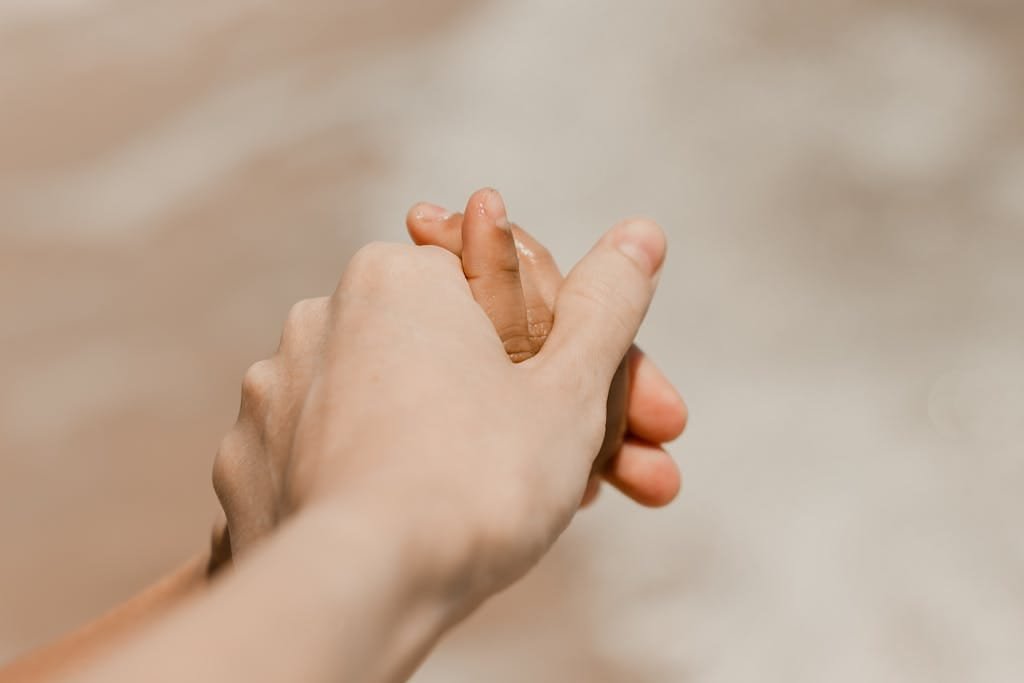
(409, 360)
(424, 525)
(255, 457)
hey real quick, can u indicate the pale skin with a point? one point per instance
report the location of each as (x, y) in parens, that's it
(284, 453)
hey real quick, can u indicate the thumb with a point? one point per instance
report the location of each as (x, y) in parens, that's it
(605, 298)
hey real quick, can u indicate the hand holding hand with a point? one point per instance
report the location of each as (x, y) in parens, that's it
(516, 281)
(256, 456)
(409, 360)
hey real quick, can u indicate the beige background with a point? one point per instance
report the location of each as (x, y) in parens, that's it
(843, 183)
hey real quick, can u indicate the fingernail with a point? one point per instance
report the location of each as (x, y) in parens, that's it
(643, 243)
(431, 212)
(494, 207)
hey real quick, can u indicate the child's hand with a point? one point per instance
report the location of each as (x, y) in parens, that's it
(516, 281)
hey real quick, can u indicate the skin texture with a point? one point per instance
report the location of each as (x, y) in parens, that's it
(476, 512)
(515, 281)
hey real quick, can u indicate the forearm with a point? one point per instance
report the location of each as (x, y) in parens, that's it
(336, 595)
(90, 641)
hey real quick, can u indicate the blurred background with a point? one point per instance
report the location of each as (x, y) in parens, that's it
(843, 184)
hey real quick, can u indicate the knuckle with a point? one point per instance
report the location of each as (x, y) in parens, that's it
(376, 267)
(440, 257)
(540, 322)
(373, 255)
(301, 312)
(516, 338)
(304, 318)
(364, 262)
(502, 269)
(383, 265)
(519, 349)
(258, 385)
(369, 252)
(228, 468)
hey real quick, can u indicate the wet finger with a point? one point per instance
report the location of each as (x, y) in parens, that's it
(491, 265)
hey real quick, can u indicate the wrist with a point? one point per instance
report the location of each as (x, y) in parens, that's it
(335, 595)
(419, 544)
(359, 562)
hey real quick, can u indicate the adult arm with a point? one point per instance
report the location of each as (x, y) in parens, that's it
(396, 535)
(105, 632)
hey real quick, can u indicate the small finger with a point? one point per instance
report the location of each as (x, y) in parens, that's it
(491, 265)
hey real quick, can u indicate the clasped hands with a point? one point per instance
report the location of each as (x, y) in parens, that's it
(463, 390)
